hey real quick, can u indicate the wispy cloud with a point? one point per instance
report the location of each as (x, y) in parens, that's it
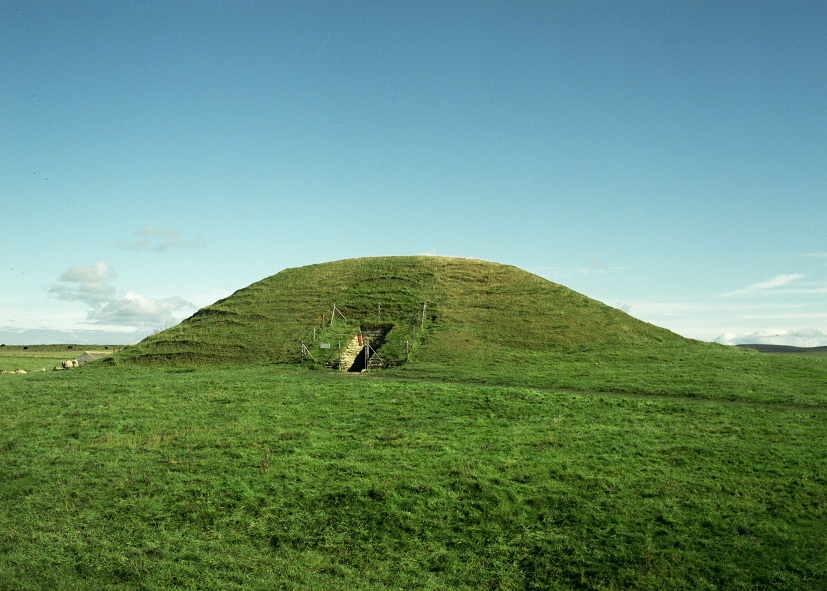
(135, 309)
(785, 316)
(561, 274)
(803, 290)
(775, 282)
(704, 320)
(86, 284)
(90, 285)
(805, 337)
(152, 239)
(596, 266)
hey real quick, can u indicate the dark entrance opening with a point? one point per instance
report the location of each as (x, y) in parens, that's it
(373, 335)
(359, 362)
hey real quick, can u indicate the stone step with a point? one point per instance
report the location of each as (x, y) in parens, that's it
(374, 337)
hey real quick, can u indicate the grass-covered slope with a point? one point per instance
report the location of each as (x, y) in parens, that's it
(472, 308)
(273, 477)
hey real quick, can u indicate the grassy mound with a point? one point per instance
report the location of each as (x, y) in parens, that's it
(472, 310)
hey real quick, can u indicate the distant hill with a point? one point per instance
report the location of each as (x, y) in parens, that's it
(470, 307)
(783, 349)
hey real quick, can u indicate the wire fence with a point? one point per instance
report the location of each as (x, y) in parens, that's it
(416, 321)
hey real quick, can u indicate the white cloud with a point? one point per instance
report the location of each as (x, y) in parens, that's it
(805, 337)
(152, 239)
(802, 291)
(90, 285)
(773, 283)
(135, 309)
(595, 266)
(87, 284)
(563, 274)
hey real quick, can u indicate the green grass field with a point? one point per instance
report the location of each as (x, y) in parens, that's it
(270, 477)
(636, 460)
(36, 357)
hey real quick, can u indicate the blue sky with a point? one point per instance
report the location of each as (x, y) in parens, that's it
(665, 158)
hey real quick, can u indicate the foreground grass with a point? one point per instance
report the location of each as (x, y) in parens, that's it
(266, 477)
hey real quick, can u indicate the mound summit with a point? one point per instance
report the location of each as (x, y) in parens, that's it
(472, 308)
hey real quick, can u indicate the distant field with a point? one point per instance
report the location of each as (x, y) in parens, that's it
(27, 363)
(52, 354)
(33, 357)
(68, 349)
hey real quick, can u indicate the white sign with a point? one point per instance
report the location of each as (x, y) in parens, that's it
(324, 346)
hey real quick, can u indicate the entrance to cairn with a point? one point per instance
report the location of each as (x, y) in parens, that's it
(372, 337)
